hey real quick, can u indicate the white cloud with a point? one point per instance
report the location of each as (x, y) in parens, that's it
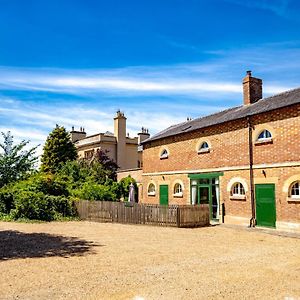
(154, 97)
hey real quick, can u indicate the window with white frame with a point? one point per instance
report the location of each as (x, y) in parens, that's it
(295, 190)
(164, 154)
(151, 189)
(204, 147)
(265, 135)
(178, 190)
(238, 189)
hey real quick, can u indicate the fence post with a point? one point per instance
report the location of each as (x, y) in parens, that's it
(178, 216)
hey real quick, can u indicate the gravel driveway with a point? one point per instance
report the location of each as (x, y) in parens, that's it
(85, 260)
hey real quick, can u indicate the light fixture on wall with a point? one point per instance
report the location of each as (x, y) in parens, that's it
(264, 172)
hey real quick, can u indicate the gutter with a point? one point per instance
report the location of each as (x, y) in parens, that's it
(253, 217)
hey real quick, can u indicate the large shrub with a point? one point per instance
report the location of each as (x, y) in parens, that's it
(33, 206)
(62, 206)
(40, 197)
(6, 201)
(46, 183)
(95, 191)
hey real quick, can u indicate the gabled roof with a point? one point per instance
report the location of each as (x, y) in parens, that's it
(264, 105)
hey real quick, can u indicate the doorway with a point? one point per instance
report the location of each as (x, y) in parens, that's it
(265, 205)
(163, 195)
(205, 190)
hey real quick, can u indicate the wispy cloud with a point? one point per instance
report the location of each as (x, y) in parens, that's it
(278, 7)
(154, 97)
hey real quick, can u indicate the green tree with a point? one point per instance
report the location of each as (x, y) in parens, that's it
(58, 150)
(110, 166)
(15, 161)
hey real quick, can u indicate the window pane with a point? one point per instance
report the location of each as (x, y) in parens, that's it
(204, 145)
(265, 134)
(177, 188)
(204, 181)
(194, 195)
(295, 189)
(238, 189)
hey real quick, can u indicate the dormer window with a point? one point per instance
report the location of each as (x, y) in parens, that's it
(204, 147)
(264, 136)
(164, 154)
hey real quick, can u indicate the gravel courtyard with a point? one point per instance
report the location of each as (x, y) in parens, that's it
(85, 260)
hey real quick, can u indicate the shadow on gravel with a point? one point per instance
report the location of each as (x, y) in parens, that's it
(16, 244)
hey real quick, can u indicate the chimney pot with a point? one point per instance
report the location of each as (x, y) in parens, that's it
(249, 73)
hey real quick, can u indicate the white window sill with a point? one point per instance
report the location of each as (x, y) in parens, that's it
(164, 157)
(293, 199)
(264, 141)
(203, 151)
(151, 194)
(238, 197)
(179, 195)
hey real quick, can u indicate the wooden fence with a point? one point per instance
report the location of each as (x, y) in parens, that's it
(148, 214)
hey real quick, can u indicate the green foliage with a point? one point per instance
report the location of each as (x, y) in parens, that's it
(95, 191)
(45, 183)
(40, 197)
(105, 165)
(49, 194)
(15, 162)
(62, 206)
(124, 186)
(58, 150)
(6, 201)
(33, 206)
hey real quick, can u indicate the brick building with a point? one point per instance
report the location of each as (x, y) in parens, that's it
(244, 162)
(124, 150)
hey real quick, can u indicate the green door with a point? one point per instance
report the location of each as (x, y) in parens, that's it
(265, 205)
(163, 195)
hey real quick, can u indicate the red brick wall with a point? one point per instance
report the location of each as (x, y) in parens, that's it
(229, 144)
(229, 148)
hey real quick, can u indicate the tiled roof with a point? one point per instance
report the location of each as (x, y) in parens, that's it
(264, 105)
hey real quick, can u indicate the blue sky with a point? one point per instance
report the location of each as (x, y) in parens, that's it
(77, 62)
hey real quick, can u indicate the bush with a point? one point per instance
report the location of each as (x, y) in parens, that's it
(94, 191)
(62, 206)
(6, 201)
(38, 206)
(32, 206)
(45, 183)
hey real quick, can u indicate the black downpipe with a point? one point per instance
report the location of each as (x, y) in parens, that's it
(250, 130)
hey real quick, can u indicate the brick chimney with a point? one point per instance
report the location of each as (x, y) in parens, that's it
(252, 89)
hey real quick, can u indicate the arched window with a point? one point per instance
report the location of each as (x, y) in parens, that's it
(264, 135)
(177, 189)
(151, 189)
(164, 154)
(204, 147)
(238, 189)
(295, 190)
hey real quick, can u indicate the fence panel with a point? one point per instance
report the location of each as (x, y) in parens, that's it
(148, 214)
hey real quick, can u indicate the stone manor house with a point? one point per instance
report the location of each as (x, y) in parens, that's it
(124, 150)
(244, 162)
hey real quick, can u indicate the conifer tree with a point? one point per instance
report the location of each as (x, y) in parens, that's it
(58, 149)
